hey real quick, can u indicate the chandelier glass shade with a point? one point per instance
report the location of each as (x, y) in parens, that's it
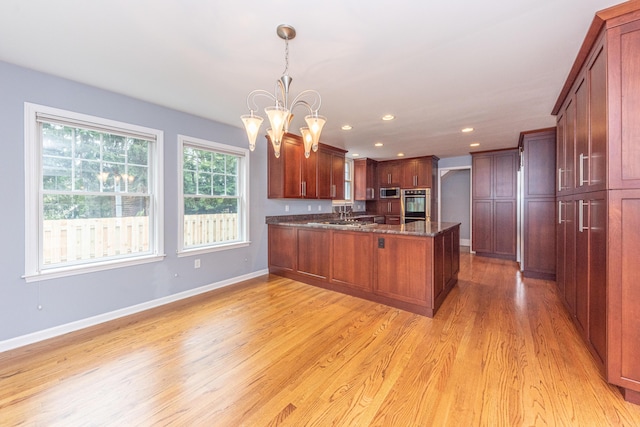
(279, 113)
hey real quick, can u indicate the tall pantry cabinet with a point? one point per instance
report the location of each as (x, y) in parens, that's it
(598, 194)
(494, 203)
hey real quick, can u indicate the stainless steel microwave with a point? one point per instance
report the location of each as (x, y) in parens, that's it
(390, 193)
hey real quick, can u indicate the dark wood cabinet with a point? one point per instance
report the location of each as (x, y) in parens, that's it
(352, 260)
(389, 207)
(419, 172)
(494, 203)
(364, 177)
(330, 173)
(397, 276)
(294, 176)
(413, 273)
(313, 253)
(538, 154)
(597, 113)
(389, 173)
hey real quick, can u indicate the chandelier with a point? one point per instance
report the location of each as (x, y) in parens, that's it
(279, 113)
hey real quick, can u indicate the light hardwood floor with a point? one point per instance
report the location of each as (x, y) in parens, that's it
(500, 352)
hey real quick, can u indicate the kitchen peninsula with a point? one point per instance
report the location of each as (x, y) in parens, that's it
(409, 266)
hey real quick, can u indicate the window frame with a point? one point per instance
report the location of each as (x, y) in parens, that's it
(34, 270)
(242, 187)
(348, 166)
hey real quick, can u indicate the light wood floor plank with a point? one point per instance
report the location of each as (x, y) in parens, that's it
(501, 351)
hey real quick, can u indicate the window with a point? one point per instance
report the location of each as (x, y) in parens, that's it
(214, 196)
(93, 193)
(348, 180)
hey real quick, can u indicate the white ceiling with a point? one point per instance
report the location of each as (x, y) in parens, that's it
(497, 66)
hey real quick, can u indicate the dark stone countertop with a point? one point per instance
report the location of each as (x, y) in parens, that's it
(418, 228)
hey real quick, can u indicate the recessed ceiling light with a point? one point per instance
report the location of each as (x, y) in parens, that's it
(475, 144)
(347, 127)
(378, 144)
(388, 117)
(467, 130)
(355, 154)
(400, 154)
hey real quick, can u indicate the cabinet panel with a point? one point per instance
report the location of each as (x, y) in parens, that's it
(630, 105)
(337, 176)
(482, 239)
(482, 177)
(505, 175)
(313, 252)
(539, 236)
(347, 248)
(595, 166)
(504, 231)
(582, 134)
(539, 153)
(389, 173)
(282, 247)
(567, 172)
(397, 276)
(364, 176)
(597, 276)
(325, 174)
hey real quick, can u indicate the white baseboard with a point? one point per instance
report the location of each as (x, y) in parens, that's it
(35, 337)
(465, 242)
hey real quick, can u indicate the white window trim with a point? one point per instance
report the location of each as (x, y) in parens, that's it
(243, 187)
(33, 215)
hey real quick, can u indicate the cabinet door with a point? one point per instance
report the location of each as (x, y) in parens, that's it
(504, 227)
(597, 275)
(582, 133)
(566, 255)
(309, 175)
(389, 207)
(352, 259)
(539, 151)
(539, 231)
(482, 168)
(425, 172)
(313, 252)
(324, 174)
(337, 177)
(594, 168)
(360, 176)
(624, 293)
(292, 154)
(567, 171)
(408, 177)
(482, 230)
(282, 247)
(505, 173)
(623, 71)
(398, 276)
(389, 173)
(561, 145)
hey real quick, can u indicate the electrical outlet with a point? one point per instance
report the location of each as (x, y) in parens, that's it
(319, 207)
(196, 263)
(286, 208)
(309, 208)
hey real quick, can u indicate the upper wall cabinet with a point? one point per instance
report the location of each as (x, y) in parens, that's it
(293, 176)
(364, 177)
(419, 172)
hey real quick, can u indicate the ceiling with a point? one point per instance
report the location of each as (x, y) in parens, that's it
(497, 66)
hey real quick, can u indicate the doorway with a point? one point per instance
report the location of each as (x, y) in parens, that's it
(454, 190)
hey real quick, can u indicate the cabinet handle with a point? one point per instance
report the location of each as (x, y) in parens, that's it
(333, 190)
(581, 206)
(388, 207)
(559, 212)
(559, 179)
(304, 188)
(388, 178)
(582, 180)
(415, 180)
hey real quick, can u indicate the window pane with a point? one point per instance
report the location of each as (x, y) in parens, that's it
(57, 140)
(138, 152)
(114, 148)
(210, 220)
(231, 185)
(204, 184)
(137, 179)
(87, 176)
(78, 228)
(56, 173)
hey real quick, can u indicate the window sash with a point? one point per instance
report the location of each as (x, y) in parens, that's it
(35, 266)
(187, 241)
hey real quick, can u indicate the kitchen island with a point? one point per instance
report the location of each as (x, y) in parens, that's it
(409, 266)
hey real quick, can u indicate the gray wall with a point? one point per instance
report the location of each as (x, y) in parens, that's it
(83, 296)
(454, 199)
